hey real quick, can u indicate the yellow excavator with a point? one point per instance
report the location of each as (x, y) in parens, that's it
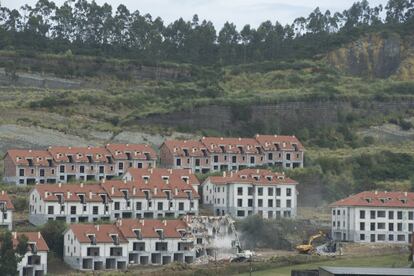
(308, 248)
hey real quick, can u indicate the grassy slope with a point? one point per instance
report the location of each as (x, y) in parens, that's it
(376, 261)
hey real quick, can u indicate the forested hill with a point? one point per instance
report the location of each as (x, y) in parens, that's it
(86, 28)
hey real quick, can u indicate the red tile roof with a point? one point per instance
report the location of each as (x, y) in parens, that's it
(33, 237)
(378, 199)
(137, 151)
(102, 233)
(79, 154)
(4, 198)
(20, 157)
(70, 192)
(231, 145)
(148, 228)
(189, 148)
(285, 142)
(252, 176)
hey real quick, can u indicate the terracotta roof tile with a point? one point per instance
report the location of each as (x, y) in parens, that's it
(4, 198)
(190, 148)
(378, 199)
(21, 157)
(102, 233)
(148, 227)
(231, 145)
(33, 237)
(269, 142)
(252, 176)
(70, 192)
(137, 151)
(79, 154)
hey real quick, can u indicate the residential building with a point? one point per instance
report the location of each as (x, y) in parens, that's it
(281, 151)
(95, 247)
(374, 217)
(34, 262)
(357, 271)
(249, 192)
(68, 202)
(29, 167)
(132, 156)
(157, 242)
(212, 154)
(69, 164)
(191, 154)
(6, 211)
(154, 193)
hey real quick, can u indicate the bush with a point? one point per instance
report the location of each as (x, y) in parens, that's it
(20, 203)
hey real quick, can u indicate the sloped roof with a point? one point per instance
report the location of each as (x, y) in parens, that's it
(378, 199)
(79, 154)
(252, 176)
(70, 192)
(231, 145)
(20, 157)
(190, 148)
(148, 227)
(33, 237)
(285, 142)
(4, 197)
(137, 151)
(102, 233)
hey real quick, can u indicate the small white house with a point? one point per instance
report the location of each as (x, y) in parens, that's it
(34, 262)
(250, 192)
(374, 217)
(6, 211)
(95, 247)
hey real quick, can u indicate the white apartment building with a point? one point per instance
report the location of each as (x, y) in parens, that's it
(6, 211)
(34, 262)
(157, 242)
(68, 202)
(381, 217)
(249, 192)
(90, 247)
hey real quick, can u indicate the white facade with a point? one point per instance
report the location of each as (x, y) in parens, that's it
(243, 198)
(368, 224)
(6, 218)
(34, 262)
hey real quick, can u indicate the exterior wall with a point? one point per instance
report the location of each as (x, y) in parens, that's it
(285, 159)
(225, 199)
(6, 219)
(166, 157)
(41, 267)
(9, 170)
(348, 225)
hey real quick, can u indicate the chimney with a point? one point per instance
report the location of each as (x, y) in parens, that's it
(231, 174)
(38, 235)
(167, 181)
(2, 192)
(257, 171)
(134, 191)
(143, 222)
(81, 185)
(97, 227)
(46, 194)
(164, 222)
(405, 194)
(151, 170)
(120, 222)
(15, 235)
(376, 192)
(189, 171)
(60, 184)
(224, 174)
(170, 171)
(112, 190)
(103, 180)
(176, 191)
(68, 193)
(90, 195)
(125, 181)
(155, 191)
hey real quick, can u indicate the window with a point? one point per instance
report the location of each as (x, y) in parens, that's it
(278, 203)
(278, 193)
(391, 215)
(410, 227)
(260, 202)
(390, 237)
(252, 160)
(391, 227)
(239, 202)
(333, 212)
(181, 206)
(234, 159)
(239, 191)
(160, 206)
(240, 213)
(250, 202)
(215, 158)
(260, 191)
(117, 207)
(95, 210)
(62, 169)
(73, 210)
(381, 237)
(381, 214)
(399, 227)
(362, 226)
(401, 237)
(381, 226)
(50, 210)
(361, 214)
(21, 172)
(399, 215)
(288, 156)
(197, 162)
(362, 237)
(372, 226)
(288, 203)
(372, 214)
(42, 172)
(270, 203)
(101, 169)
(270, 191)
(270, 156)
(82, 169)
(138, 206)
(121, 166)
(410, 215)
(288, 192)
(250, 190)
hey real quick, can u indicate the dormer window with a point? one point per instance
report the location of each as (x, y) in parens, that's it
(160, 233)
(280, 177)
(70, 157)
(82, 198)
(256, 177)
(125, 192)
(295, 147)
(277, 146)
(128, 154)
(30, 161)
(115, 239)
(243, 176)
(33, 248)
(223, 149)
(185, 152)
(189, 195)
(145, 178)
(182, 232)
(89, 159)
(186, 179)
(168, 194)
(270, 178)
(138, 234)
(368, 200)
(92, 239)
(404, 201)
(165, 178)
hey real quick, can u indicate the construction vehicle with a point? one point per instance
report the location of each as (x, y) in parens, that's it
(241, 255)
(307, 247)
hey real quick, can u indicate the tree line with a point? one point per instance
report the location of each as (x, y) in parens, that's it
(92, 29)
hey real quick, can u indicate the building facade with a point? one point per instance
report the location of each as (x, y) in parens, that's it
(69, 164)
(128, 242)
(374, 217)
(6, 211)
(34, 262)
(250, 192)
(212, 154)
(143, 193)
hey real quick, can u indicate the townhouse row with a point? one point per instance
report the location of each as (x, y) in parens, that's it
(67, 164)
(212, 154)
(127, 242)
(209, 154)
(141, 193)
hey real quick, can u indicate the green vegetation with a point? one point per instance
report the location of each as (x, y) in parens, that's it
(11, 256)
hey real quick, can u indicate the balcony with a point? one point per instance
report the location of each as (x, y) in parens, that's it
(161, 246)
(33, 260)
(93, 251)
(116, 252)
